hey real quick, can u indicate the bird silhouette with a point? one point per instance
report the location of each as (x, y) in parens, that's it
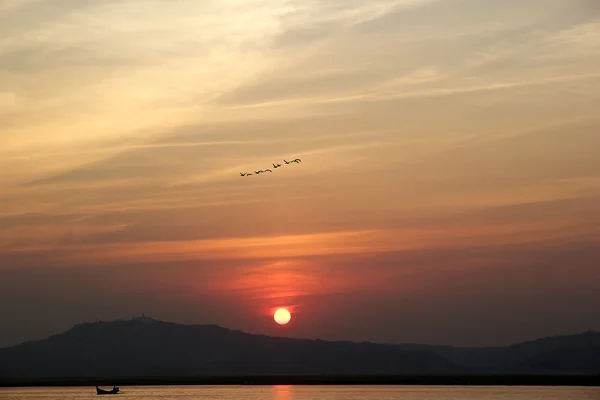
(275, 166)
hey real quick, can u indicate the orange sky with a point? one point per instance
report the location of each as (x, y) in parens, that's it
(450, 166)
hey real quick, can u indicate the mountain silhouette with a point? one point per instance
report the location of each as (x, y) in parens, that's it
(145, 347)
(558, 354)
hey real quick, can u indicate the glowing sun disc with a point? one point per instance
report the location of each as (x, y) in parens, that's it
(282, 316)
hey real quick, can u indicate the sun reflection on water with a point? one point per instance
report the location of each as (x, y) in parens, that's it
(282, 392)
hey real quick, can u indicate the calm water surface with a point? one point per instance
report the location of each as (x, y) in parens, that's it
(311, 393)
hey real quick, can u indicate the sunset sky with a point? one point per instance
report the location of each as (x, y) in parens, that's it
(449, 190)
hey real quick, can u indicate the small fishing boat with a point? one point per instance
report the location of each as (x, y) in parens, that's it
(114, 390)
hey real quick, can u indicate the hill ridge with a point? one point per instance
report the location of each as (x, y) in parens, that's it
(587, 333)
(144, 346)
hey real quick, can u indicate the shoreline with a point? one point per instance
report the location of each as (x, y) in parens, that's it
(311, 380)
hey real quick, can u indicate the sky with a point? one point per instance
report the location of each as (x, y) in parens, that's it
(449, 189)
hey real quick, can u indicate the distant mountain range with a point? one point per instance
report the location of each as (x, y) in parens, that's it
(571, 354)
(146, 347)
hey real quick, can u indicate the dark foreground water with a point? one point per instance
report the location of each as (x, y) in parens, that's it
(312, 393)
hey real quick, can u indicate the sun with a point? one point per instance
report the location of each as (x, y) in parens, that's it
(282, 316)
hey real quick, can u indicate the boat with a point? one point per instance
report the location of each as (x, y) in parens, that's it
(114, 390)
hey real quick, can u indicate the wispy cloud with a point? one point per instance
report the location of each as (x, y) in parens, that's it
(306, 245)
(381, 97)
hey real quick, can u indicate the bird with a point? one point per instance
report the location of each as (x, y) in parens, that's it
(275, 165)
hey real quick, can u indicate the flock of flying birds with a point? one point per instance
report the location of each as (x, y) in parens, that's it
(275, 166)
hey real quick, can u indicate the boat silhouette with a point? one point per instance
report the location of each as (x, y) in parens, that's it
(114, 390)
